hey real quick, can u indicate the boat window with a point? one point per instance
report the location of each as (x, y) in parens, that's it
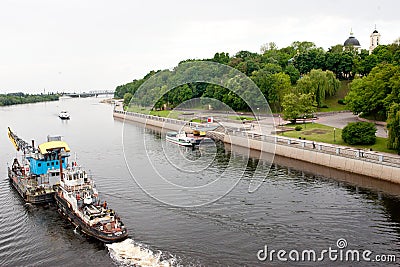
(48, 164)
(39, 165)
(52, 164)
(56, 163)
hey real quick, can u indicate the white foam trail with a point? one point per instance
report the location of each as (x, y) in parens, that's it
(129, 253)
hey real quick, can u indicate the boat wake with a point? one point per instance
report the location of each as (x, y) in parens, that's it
(131, 253)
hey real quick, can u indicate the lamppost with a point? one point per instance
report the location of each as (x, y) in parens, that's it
(279, 119)
(334, 135)
(258, 113)
(304, 121)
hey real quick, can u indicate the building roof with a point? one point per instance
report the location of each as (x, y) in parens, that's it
(375, 31)
(352, 41)
(49, 146)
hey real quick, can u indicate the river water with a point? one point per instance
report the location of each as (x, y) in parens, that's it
(298, 206)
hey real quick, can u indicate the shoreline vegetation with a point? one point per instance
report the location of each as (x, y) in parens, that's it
(21, 98)
(297, 81)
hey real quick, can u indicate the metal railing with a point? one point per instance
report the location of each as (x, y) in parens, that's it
(157, 118)
(342, 151)
(348, 152)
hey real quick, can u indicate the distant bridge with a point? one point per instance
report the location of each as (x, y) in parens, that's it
(90, 93)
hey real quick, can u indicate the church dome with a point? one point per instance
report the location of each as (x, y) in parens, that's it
(352, 41)
(375, 31)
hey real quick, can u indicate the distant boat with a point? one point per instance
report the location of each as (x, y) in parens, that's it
(64, 115)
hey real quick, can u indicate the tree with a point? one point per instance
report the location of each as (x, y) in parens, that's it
(127, 98)
(393, 126)
(297, 105)
(302, 47)
(293, 73)
(269, 46)
(346, 65)
(310, 59)
(318, 83)
(222, 58)
(367, 64)
(272, 85)
(373, 94)
(359, 133)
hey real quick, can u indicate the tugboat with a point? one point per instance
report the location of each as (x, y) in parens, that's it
(38, 174)
(45, 175)
(78, 199)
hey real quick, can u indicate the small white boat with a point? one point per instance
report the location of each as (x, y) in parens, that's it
(64, 115)
(180, 139)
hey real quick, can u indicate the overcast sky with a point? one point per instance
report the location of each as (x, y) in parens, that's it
(81, 45)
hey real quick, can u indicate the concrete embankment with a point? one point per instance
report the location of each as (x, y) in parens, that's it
(368, 163)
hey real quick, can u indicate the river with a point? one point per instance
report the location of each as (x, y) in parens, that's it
(298, 206)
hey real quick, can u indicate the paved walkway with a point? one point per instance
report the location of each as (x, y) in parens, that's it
(340, 120)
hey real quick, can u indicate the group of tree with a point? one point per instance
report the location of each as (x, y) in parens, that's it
(295, 81)
(275, 71)
(21, 98)
(377, 95)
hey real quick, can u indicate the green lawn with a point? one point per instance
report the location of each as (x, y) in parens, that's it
(326, 134)
(160, 113)
(166, 113)
(332, 101)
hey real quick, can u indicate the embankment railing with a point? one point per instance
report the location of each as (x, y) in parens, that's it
(359, 154)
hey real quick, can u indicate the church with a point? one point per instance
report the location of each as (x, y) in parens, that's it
(352, 42)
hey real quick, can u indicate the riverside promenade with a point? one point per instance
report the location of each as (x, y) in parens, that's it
(383, 166)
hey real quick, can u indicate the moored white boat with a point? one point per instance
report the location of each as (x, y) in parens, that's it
(180, 138)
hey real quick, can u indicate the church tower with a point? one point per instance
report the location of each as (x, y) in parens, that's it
(375, 38)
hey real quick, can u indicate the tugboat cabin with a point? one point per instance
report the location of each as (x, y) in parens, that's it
(47, 157)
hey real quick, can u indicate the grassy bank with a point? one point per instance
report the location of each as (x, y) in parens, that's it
(332, 101)
(160, 113)
(326, 134)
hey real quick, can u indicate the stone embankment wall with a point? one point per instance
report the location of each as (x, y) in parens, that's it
(369, 163)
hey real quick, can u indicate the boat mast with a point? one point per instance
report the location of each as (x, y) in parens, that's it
(60, 162)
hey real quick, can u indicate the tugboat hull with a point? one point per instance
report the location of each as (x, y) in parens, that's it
(65, 210)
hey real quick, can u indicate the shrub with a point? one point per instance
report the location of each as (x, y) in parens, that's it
(298, 128)
(341, 102)
(359, 133)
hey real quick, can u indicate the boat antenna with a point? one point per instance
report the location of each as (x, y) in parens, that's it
(60, 162)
